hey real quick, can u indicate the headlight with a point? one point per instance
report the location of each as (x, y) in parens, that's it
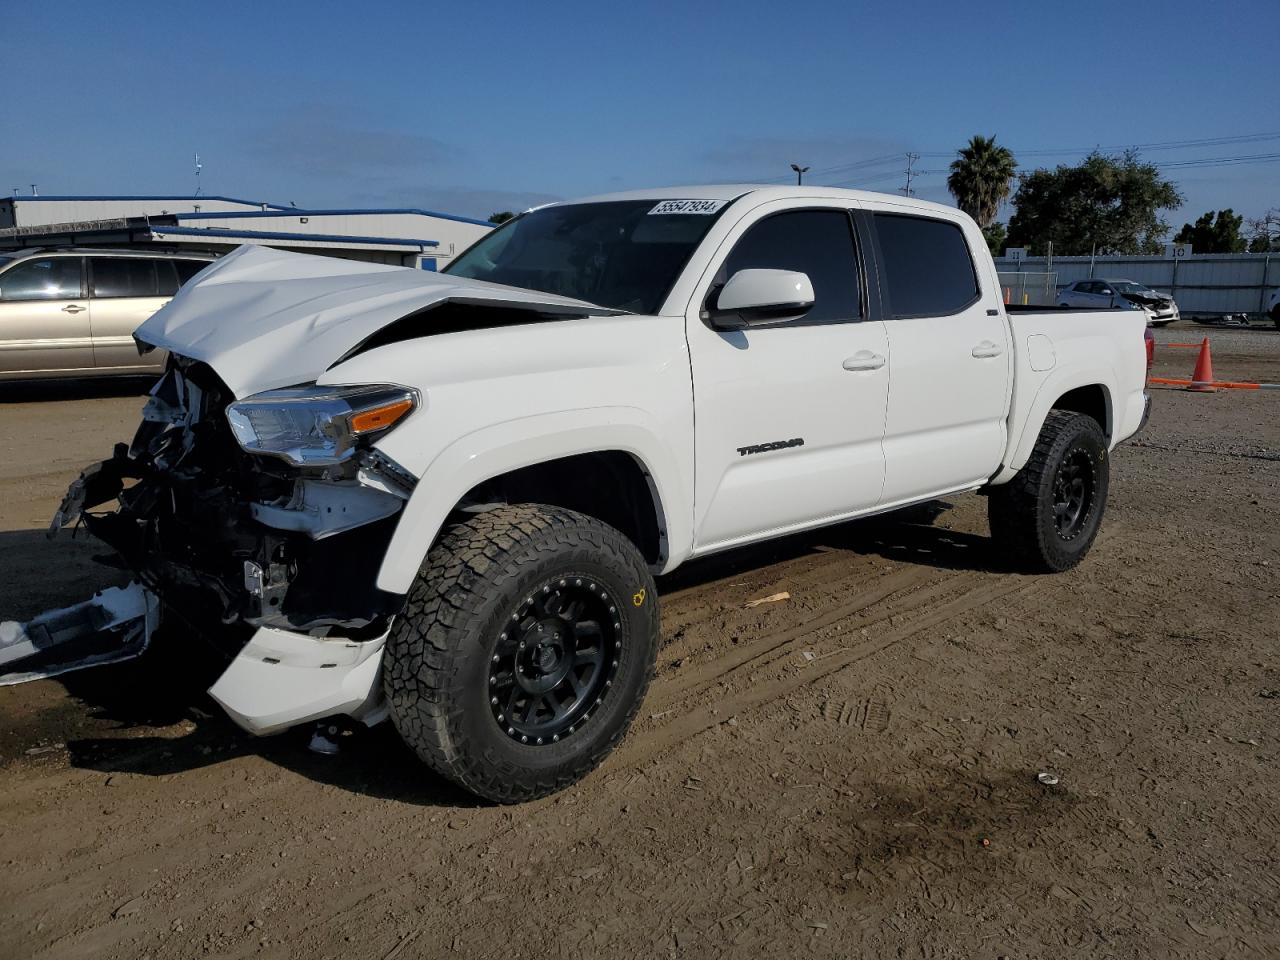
(318, 426)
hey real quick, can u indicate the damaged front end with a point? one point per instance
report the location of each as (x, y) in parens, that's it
(247, 512)
(258, 525)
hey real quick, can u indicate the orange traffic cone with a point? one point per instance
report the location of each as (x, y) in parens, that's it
(1202, 379)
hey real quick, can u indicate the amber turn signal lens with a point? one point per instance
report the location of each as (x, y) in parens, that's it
(378, 418)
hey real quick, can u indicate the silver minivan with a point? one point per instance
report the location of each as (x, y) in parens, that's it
(72, 313)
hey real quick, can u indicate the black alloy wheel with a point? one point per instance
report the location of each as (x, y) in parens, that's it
(1073, 493)
(555, 662)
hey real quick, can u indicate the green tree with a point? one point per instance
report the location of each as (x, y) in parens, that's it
(996, 235)
(1214, 233)
(1265, 232)
(981, 178)
(501, 216)
(1108, 203)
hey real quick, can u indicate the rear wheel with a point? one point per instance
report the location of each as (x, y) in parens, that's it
(527, 643)
(1048, 515)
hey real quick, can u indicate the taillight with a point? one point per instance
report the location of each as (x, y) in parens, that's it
(1150, 339)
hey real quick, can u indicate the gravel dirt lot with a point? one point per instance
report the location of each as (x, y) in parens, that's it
(850, 772)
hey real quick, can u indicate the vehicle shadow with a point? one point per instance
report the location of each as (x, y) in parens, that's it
(74, 388)
(157, 719)
(153, 716)
(907, 536)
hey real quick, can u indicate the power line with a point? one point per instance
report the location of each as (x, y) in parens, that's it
(1157, 145)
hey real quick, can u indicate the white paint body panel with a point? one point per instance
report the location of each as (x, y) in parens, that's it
(281, 679)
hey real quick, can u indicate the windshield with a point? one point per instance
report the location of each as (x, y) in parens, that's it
(624, 254)
(1128, 286)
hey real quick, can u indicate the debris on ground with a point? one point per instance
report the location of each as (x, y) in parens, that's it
(772, 598)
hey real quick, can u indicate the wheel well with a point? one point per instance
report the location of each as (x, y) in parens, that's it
(1092, 401)
(610, 485)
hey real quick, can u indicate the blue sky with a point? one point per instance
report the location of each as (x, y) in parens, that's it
(471, 108)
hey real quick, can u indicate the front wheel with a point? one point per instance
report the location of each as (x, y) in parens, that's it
(527, 643)
(1048, 515)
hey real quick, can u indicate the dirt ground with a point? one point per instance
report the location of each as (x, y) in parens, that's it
(850, 772)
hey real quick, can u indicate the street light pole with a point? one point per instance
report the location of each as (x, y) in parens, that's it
(800, 172)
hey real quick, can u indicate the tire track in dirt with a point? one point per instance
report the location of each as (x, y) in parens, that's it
(688, 725)
(683, 609)
(721, 666)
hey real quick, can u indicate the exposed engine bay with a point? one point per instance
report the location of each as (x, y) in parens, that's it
(241, 540)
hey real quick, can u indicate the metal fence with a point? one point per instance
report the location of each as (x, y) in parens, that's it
(1201, 284)
(1029, 288)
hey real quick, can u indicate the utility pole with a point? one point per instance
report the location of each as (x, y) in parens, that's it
(911, 159)
(800, 172)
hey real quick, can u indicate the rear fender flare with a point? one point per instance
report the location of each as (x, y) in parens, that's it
(1055, 386)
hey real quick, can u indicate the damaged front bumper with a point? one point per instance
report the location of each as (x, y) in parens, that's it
(274, 566)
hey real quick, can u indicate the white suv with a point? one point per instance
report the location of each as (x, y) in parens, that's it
(1123, 294)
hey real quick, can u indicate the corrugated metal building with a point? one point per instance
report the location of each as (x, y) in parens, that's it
(404, 236)
(36, 211)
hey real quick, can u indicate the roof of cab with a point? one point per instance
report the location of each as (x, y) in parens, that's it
(732, 191)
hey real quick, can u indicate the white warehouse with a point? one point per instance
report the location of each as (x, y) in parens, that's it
(404, 236)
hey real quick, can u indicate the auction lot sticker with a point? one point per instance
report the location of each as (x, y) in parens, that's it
(703, 207)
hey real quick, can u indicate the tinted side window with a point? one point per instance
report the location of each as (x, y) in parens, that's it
(55, 278)
(123, 277)
(188, 269)
(166, 278)
(816, 242)
(927, 267)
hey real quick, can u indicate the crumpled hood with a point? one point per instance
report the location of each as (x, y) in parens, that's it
(1153, 298)
(264, 318)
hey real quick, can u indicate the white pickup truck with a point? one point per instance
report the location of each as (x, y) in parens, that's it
(443, 498)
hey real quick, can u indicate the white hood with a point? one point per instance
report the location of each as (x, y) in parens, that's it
(263, 318)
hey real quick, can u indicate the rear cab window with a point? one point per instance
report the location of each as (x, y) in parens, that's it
(927, 266)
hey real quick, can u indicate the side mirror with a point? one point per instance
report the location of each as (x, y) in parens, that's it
(1107, 292)
(760, 296)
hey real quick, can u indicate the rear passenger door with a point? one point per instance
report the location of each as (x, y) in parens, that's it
(949, 356)
(124, 291)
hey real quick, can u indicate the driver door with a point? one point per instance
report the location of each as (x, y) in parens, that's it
(789, 415)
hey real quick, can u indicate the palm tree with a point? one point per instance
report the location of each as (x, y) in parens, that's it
(982, 178)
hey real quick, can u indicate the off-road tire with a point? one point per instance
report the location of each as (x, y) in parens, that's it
(436, 667)
(1021, 512)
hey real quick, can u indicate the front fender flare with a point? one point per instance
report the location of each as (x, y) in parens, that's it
(501, 448)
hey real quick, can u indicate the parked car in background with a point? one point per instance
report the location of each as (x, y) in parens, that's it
(1111, 294)
(72, 313)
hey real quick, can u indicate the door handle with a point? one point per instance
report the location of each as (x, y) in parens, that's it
(73, 308)
(987, 349)
(864, 360)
